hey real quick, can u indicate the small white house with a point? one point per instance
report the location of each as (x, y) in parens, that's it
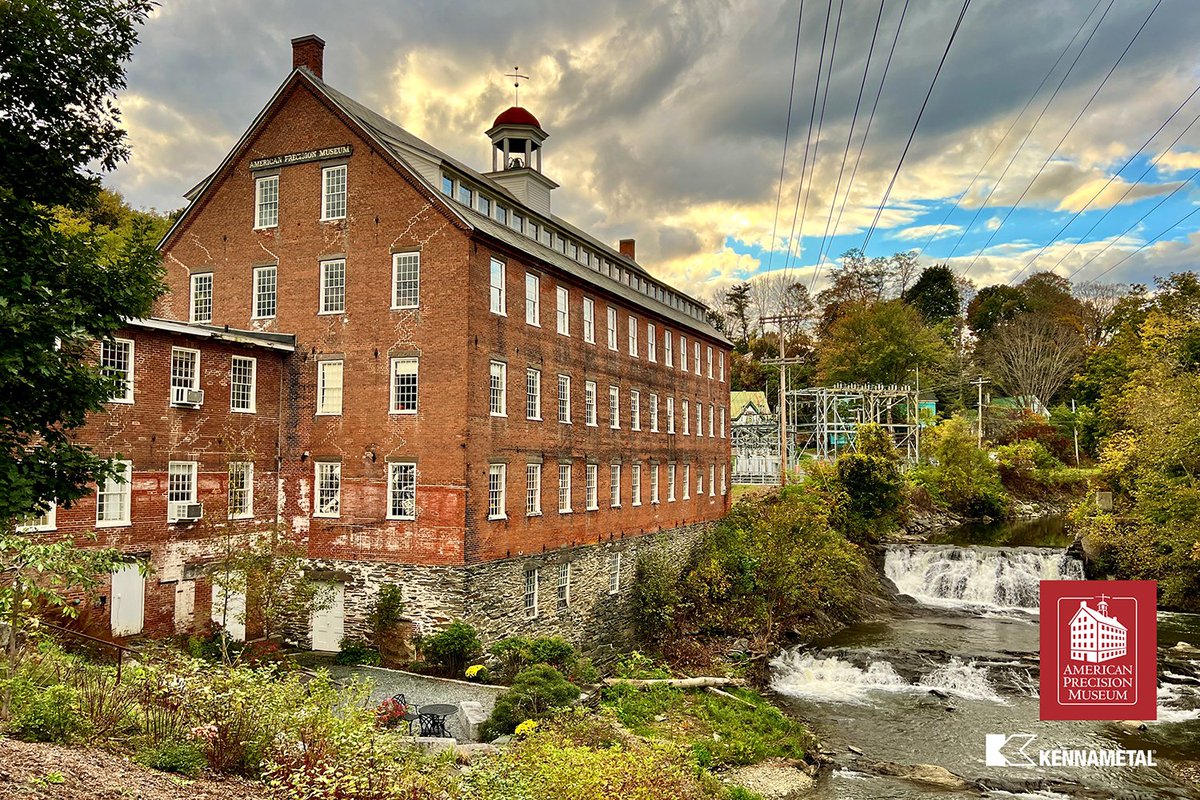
(1095, 636)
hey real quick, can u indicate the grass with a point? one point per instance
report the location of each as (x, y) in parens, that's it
(722, 732)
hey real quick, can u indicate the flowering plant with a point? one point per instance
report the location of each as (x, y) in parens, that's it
(390, 712)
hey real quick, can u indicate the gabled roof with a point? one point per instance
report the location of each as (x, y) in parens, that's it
(1088, 611)
(397, 143)
(738, 402)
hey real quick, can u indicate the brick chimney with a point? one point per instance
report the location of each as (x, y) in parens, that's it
(309, 52)
(628, 248)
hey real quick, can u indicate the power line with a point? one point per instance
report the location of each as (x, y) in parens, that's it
(916, 124)
(1163, 233)
(996, 184)
(866, 133)
(849, 136)
(1107, 183)
(1067, 133)
(787, 131)
(1135, 223)
(1153, 163)
(820, 125)
(812, 116)
(1013, 125)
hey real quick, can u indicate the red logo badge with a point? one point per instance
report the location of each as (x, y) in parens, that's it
(1099, 650)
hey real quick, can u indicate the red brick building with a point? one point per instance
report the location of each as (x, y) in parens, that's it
(485, 405)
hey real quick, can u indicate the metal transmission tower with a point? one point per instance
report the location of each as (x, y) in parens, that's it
(823, 420)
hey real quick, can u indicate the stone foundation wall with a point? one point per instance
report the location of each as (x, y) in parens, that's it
(491, 596)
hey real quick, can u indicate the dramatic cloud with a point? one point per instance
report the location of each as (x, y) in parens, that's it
(667, 118)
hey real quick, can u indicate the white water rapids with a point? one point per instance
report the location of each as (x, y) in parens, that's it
(979, 577)
(831, 679)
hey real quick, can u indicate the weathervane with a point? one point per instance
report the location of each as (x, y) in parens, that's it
(516, 76)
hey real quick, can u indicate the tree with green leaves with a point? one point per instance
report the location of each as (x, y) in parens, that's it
(737, 301)
(63, 287)
(880, 343)
(935, 295)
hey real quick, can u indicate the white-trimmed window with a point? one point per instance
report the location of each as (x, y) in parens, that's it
(243, 377)
(687, 416)
(266, 201)
(614, 572)
(465, 195)
(531, 593)
(635, 409)
(113, 497)
(564, 399)
(591, 491)
(185, 374)
(45, 521)
(240, 496)
(533, 394)
(682, 352)
(589, 320)
(116, 362)
(589, 403)
(724, 481)
(564, 310)
(712, 480)
(406, 280)
(533, 299)
(708, 355)
(670, 415)
(329, 387)
(533, 490)
(687, 481)
(402, 490)
(612, 328)
(633, 336)
(448, 186)
(329, 489)
(202, 297)
(614, 485)
(671, 482)
(181, 488)
(564, 488)
(485, 205)
(564, 586)
(696, 357)
(333, 286)
(501, 214)
(497, 477)
(654, 483)
(721, 361)
(667, 354)
(653, 413)
(404, 385)
(635, 484)
(699, 418)
(498, 302)
(722, 428)
(651, 343)
(614, 406)
(710, 421)
(700, 481)
(498, 389)
(265, 292)
(333, 194)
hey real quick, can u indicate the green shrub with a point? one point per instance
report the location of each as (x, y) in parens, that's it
(535, 692)
(49, 715)
(655, 595)
(184, 758)
(356, 651)
(959, 475)
(515, 653)
(452, 648)
(871, 484)
(387, 611)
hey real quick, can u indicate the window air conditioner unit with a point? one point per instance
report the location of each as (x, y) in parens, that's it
(188, 512)
(194, 397)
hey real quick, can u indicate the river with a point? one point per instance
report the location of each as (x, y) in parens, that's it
(962, 661)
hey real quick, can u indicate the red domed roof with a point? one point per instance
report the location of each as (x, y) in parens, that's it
(516, 116)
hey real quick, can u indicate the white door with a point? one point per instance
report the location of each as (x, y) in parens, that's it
(128, 608)
(229, 611)
(329, 625)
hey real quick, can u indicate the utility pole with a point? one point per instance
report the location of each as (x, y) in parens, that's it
(979, 412)
(783, 360)
(918, 431)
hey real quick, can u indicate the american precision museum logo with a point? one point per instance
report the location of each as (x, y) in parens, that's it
(1015, 751)
(1099, 646)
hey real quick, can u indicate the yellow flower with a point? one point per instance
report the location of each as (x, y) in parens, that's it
(527, 727)
(474, 670)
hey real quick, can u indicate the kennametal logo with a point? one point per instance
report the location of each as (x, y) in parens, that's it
(1002, 750)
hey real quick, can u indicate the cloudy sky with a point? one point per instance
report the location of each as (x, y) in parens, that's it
(667, 120)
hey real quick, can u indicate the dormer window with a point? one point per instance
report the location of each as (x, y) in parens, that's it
(485, 206)
(465, 195)
(447, 186)
(501, 214)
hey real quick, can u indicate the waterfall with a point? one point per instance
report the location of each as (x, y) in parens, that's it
(987, 577)
(831, 679)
